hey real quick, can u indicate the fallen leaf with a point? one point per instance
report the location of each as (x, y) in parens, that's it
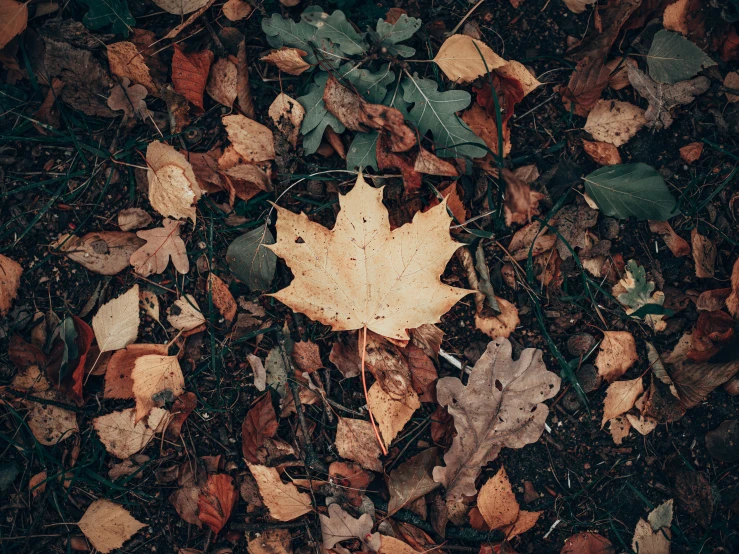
(614, 122)
(463, 58)
(180, 7)
(391, 545)
(270, 541)
(259, 424)
(496, 501)
(13, 20)
(633, 291)
(691, 152)
(732, 302)
(253, 141)
(37, 484)
(648, 541)
(712, 331)
(173, 187)
(126, 61)
(484, 126)
(387, 364)
(181, 409)
(287, 115)
(133, 218)
(663, 97)
(185, 314)
(156, 380)
(722, 442)
(695, 381)
(162, 244)
(289, 60)
(118, 383)
(704, 255)
(499, 407)
(50, 423)
(619, 429)
(307, 356)
(602, 153)
(587, 543)
(122, 435)
(190, 74)
(116, 323)
(677, 245)
(283, 500)
(103, 252)
(236, 10)
(521, 203)
(712, 300)
(578, 6)
(519, 72)
(351, 480)
(108, 525)
(260, 374)
(620, 398)
(412, 479)
(216, 501)
(339, 526)
(371, 290)
(68, 357)
(423, 373)
(391, 414)
(355, 440)
(178, 109)
(222, 82)
(675, 17)
(530, 239)
(10, 281)
(223, 300)
(732, 81)
(616, 355)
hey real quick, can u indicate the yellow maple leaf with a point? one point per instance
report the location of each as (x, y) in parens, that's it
(360, 273)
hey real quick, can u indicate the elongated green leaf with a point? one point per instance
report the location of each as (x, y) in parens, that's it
(626, 190)
(388, 35)
(371, 85)
(337, 29)
(673, 58)
(363, 151)
(108, 12)
(437, 112)
(249, 260)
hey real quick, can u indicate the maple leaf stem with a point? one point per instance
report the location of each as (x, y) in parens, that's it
(366, 396)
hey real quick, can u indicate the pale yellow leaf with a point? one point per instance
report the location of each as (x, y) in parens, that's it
(284, 501)
(251, 140)
(617, 354)
(185, 314)
(156, 380)
(50, 423)
(619, 429)
(108, 526)
(289, 60)
(620, 398)
(463, 58)
(391, 545)
(116, 323)
(648, 541)
(122, 435)
(614, 122)
(173, 187)
(391, 414)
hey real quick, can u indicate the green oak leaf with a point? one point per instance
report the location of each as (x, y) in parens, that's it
(436, 111)
(363, 151)
(673, 58)
(388, 35)
(371, 85)
(337, 29)
(108, 12)
(286, 32)
(317, 117)
(634, 189)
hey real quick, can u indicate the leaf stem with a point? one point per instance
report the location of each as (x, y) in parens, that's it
(366, 396)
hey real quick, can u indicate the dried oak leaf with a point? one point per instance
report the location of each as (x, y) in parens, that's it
(363, 278)
(216, 501)
(126, 61)
(190, 74)
(521, 203)
(173, 187)
(129, 99)
(339, 526)
(108, 526)
(10, 280)
(430, 164)
(103, 252)
(664, 97)
(162, 244)
(259, 424)
(283, 500)
(501, 406)
(289, 60)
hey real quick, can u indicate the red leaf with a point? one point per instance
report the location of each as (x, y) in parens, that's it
(712, 331)
(71, 383)
(181, 409)
(260, 423)
(190, 74)
(390, 160)
(216, 501)
(24, 354)
(509, 90)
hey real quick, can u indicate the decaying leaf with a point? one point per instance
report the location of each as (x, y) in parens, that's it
(133, 218)
(339, 526)
(390, 413)
(129, 99)
(412, 479)
(190, 74)
(223, 300)
(126, 61)
(162, 244)
(355, 440)
(677, 245)
(695, 381)
(614, 122)
(123, 436)
(704, 255)
(251, 140)
(287, 115)
(732, 302)
(13, 20)
(653, 537)
(236, 10)
(185, 314)
(634, 292)
(616, 355)
(118, 383)
(602, 153)
(362, 278)
(116, 323)
(289, 60)
(500, 407)
(587, 543)
(222, 83)
(104, 252)
(578, 6)
(10, 280)
(691, 152)
(181, 7)
(464, 59)
(108, 525)
(216, 501)
(259, 424)
(620, 398)
(173, 187)
(156, 380)
(284, 501)
(496, 501)
(51, 423)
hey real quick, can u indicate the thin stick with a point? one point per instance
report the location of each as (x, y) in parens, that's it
(366, 396)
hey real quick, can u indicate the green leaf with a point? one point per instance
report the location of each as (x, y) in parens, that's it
(286, 32)
(390, 34)
(639, 291)
(673, 58)
(337, 29)
(317, 117)
(106, 12)
(437, 112)
(363, 151)
(372, 86)
(631, 189)
(68, 334)
(249, 260)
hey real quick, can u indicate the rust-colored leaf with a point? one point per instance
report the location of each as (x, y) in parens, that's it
(259, 424)
(216, 501)
(190, 74)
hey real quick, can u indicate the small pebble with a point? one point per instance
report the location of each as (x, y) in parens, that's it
(580, 344)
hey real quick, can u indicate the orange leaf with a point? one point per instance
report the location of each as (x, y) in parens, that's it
(190, 74)
(216, 501)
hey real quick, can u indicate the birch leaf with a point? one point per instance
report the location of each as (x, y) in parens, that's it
(116, 324)
(463, 58)
(108, 526)
(156, 380)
